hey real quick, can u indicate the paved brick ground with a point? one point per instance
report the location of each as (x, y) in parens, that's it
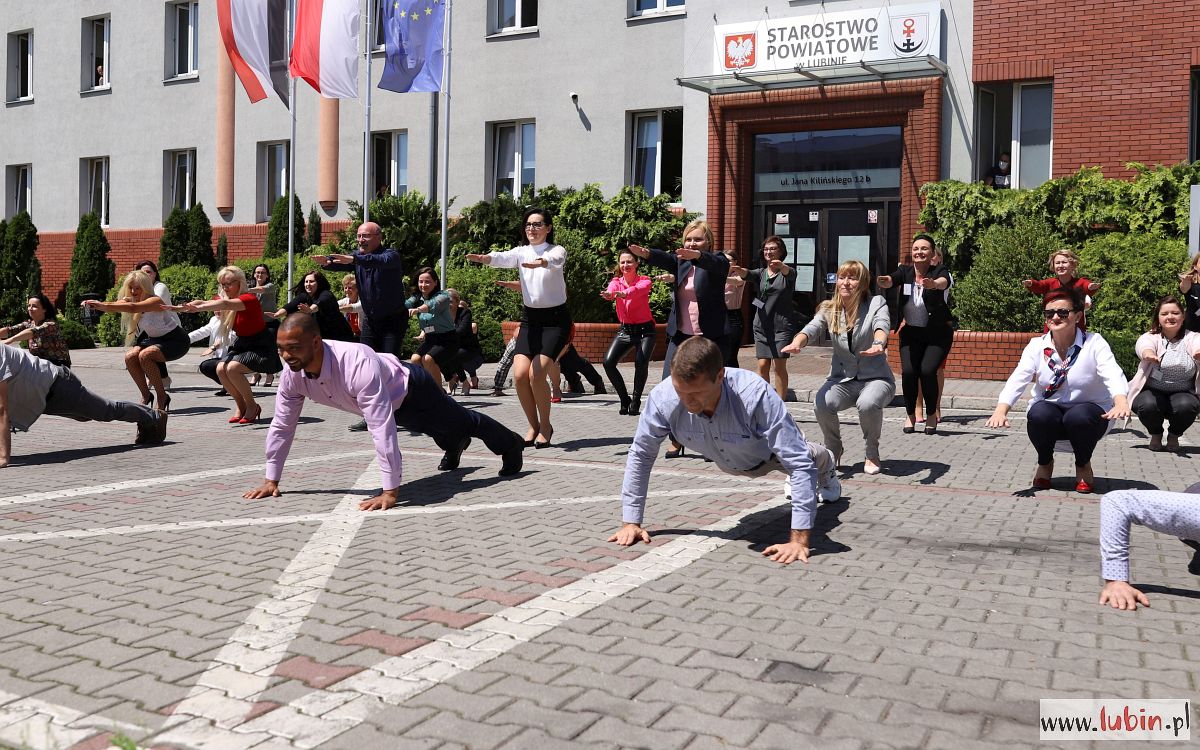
(141, 596)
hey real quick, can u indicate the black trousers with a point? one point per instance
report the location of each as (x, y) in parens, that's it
(208, 368)
(428, 410)
(736, 325)
(1048, 422)
(69, 398)
(721, 341)
(921, 354)
(637, 336)
(384, 335)
(1179, 410)
(573, 366)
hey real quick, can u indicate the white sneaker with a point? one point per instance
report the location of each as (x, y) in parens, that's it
(829, 488)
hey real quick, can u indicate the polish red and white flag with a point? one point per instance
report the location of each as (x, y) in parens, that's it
(325, 49)
(251, 30)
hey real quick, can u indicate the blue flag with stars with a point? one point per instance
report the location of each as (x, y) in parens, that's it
(412, 40)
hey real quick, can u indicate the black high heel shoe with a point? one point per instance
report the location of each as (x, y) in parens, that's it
(164, 403)
(675, 453)
(635, 405)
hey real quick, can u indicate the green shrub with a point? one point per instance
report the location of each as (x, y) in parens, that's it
(92, 272)
(1136, 270)
(587, 274)
(1122, 348)
(490, 304)
(222, 251)
(199, 248)
(188, 283)
(172, 246)
(410, 223)
(276, 245)
(108, 325)
(279, 275)
(76, 334)
(991, 297)
(18, 262)
(312, 236)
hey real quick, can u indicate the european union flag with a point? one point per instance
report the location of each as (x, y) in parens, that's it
(412, 40)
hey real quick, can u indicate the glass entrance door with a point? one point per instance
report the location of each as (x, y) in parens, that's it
(819, 238)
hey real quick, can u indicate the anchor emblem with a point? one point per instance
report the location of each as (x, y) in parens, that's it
(910, 34)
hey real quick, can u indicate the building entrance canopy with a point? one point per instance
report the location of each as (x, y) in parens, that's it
(853, 72)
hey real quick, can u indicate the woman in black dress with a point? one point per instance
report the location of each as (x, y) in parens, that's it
(313, 297)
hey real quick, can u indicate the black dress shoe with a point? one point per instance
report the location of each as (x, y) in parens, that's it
(624, 407)
(514, 459)
(600, 390)
(452, 457)
(635, 406)
(1194, 565)
(360, 426)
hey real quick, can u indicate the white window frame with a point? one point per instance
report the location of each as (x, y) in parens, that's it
(188, 159)
(397, 162)
(101, 164)
(265, 176)
(378, 43)
(660, 6)
(21, 176)
(191, 34)
(633, 148)
(1015, 144)
(517, 127)
(519, 24)
(105, 81)
(23, 74)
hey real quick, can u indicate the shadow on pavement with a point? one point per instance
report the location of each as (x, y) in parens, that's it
(65, 456)
(908, 468)
(1151, 588)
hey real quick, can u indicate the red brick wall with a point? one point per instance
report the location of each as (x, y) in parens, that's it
(1121, 73)
(131, 245)
(914, 104)
(976, 355)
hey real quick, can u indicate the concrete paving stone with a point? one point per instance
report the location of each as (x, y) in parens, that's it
(782, 737)
(906, 714)
(183, 645)
(939, 740)
(369, 736)
(980, 686)
(1020, 711)
(146, 691)
(841, 725)
(450, 728)
(29, 662)
(469, 706)
(398, 720)
(672, 655)
(104, 651)
(164, 666)
(543, 694)
(558, 724)
(618, 629)
(536, 738)
(621, 686)
(685, 675)
(574, 656)
(609, 729)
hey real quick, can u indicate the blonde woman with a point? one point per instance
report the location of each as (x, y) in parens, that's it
(858, 324)
(1189, 287)
(252, 351)
(152, 333)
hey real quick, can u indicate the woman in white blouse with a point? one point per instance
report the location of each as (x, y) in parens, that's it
(1167, 383)
(1078, 389)
(545, 323)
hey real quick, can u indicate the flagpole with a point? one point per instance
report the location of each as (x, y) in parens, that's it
(446, 46)
(291, 190)
(366, 203)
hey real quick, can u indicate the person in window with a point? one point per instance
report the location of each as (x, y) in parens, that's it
(435, 317)
(999, 176)
(1078, 390)
(773, 288)
(41, 331)
(253, 350)
(1166, 386)
(857, 323)
(698, 274)
(312, 296)
(545, 321)
(924, 323)
(152, 333)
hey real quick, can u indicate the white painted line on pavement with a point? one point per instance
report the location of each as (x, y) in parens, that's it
(31, 722)
(234, 523)
(318, 716)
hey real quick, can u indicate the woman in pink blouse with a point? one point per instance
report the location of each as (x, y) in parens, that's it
(629, 291)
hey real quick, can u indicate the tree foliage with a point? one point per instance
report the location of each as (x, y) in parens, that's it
(990, 297)
(92, 272)
(313, 233)
(173, 243)
(277, 234)
(18, 267)
(222, 251)
(410, 223)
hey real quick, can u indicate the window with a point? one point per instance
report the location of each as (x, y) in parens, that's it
(1032, 127)
(182, 39)
(181, 179)
(655, 6)
(656, 159)
(377, 20)
(511, 15)
(389, 163)
(20, 67)
(20, 189)
(512, 157)
(273, 183)
(96, 73)
(95, 195)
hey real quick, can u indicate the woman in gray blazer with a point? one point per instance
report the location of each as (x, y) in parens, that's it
(858, 324)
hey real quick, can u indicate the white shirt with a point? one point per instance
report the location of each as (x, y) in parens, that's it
(158, 324)
(540, 287)
(1094, 378)
(209, 331)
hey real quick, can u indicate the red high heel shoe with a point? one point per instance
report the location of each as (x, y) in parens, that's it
(251, 419)
(1083, 487)
(237, 417)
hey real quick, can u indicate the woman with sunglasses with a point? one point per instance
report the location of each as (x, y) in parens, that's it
(1078, 390)
(545, 322)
